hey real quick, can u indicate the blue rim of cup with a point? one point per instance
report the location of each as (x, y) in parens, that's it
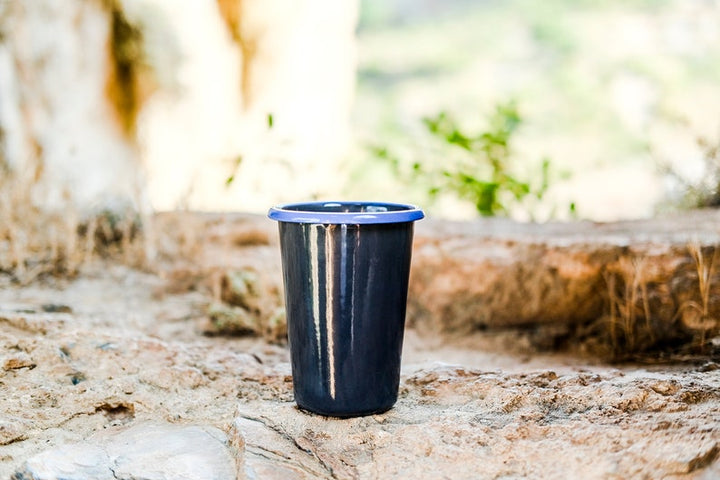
(373, 212)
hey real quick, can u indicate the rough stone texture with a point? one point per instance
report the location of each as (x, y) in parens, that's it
(455, 422)
(117, 347)
(614, 288)
(498, 273)
(145, 451)
(521, 421)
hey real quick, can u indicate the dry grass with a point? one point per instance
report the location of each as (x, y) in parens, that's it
(36, 242)
(651, 310)
(696, 314)
(630, 316)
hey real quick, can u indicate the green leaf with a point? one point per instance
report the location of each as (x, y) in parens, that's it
(236, 164)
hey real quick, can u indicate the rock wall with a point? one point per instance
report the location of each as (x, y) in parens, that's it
(139, 103)
(612, 289)
(633, 285)
(68, 102)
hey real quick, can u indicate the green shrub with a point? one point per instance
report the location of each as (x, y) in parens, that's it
(483, 171)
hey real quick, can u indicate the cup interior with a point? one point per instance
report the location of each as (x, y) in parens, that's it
(347, 207)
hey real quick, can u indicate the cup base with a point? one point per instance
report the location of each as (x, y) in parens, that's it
(345, 414)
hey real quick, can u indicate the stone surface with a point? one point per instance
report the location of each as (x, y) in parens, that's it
(131, 347)
(637, 278)
(145, 451)
(463, 423)
(613, 289)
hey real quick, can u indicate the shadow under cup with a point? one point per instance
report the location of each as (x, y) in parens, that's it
(345, 268)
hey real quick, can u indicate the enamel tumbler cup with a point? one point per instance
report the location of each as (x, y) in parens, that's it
(345, 269)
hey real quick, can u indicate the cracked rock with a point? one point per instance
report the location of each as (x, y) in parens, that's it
(147, 451)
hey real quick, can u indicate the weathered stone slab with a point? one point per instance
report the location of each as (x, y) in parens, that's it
(145, 451)
(495, 272)
(463, 423)
(126, 356)
(636, 284)
(626, 286)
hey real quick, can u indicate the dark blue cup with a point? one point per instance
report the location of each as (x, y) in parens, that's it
(345, 268)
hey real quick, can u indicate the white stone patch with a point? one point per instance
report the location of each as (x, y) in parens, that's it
(148, 451)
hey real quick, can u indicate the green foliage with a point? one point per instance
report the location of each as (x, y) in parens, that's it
(484, 172)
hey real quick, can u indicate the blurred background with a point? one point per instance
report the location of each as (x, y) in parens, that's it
(561, 109)
(620, 99)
